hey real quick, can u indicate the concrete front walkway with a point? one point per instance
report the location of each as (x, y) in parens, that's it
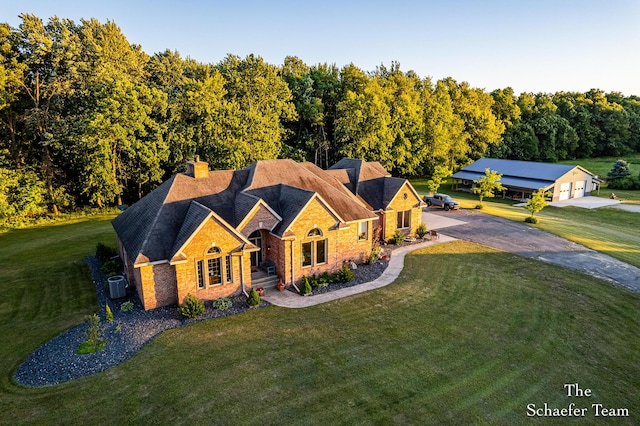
(289, 299)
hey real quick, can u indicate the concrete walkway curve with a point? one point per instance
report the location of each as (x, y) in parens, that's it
(289, 299)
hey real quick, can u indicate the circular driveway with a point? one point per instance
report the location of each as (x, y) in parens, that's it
(527, 241)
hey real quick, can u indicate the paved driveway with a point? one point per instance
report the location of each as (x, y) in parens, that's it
(524, 240)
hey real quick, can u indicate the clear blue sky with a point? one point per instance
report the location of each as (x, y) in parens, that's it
(532, 46)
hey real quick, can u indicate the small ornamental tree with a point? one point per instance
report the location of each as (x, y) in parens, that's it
(254, 298)
(108, 313)
(536, 203)
(488, 184)
(620, 170)
(305, 288)
(93, 334)
(619, 177)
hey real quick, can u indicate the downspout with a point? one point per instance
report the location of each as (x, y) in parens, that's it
(335, 252)
(292, 280)
(244, 290)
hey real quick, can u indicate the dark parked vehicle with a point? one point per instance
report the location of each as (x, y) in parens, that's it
(442, 200)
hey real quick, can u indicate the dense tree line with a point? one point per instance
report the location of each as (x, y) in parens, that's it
(88, 118)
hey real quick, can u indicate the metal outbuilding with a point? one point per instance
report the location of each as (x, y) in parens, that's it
(522, 178)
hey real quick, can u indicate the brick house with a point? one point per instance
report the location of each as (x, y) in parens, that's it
(208, 233)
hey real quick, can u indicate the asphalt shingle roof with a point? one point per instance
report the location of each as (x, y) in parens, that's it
(153, 228)
(368, 180)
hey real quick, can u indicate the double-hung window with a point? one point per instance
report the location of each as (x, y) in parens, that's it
(404, 219)
(363, 231)
(314, 252)
(200, 273)
(228, 266)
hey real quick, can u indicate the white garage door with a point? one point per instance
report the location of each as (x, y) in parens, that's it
(579, 189)
(565, 189)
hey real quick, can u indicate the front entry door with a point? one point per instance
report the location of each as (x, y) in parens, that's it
(256, 257)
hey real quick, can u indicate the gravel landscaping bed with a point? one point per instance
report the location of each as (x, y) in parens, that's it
(57, 361)
(363, 273)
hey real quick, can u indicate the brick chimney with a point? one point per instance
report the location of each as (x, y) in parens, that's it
(197, 169)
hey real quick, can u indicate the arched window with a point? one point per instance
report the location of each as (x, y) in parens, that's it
(212, 275)
(315, 232)
(314, 252)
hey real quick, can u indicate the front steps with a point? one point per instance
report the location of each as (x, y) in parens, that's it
(261, 279)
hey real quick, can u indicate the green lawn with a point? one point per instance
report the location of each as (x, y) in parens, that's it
(45, 286)
(601, 166)
(467, 334)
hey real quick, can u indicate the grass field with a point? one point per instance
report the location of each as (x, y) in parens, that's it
(466, 335)
(601, 166)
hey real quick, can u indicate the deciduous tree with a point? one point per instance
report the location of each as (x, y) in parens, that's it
(487, 185)
(538, 201)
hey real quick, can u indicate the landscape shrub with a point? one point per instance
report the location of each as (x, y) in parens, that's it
(104, 252)
(254, 298)
(398, 238)
(373, 256)
(325, 279)
(191, 307)
(344, 275)
(421, 230)
(126, 306)
(222, 303)
(628, 183)
(531, 219)
(313, 281)
(108, 314)
(305, 288)
(321, 281)
(111, 267)
(93, 334)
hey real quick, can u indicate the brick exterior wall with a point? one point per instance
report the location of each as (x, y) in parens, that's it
(400, 203)
(274, 249)
(158, 285)
(342, 244)
(261, 216)
(196, 250)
